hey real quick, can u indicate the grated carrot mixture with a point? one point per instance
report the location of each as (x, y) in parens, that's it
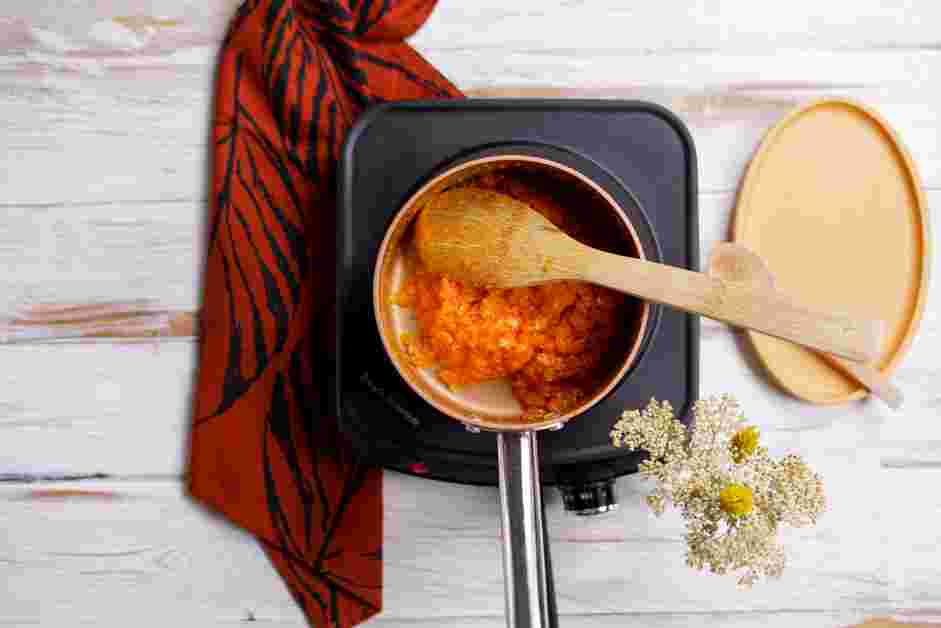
(550, 341)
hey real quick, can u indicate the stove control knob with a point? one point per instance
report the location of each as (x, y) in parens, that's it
(593, 498)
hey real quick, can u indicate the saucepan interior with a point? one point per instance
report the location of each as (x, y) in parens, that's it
(491, 405)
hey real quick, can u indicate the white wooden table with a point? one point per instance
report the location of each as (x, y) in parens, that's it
(103, 110)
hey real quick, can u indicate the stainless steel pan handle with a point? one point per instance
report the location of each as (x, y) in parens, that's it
(525, 572)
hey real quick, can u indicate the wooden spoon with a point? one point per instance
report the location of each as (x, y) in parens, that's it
(493, 240)
(734, 262)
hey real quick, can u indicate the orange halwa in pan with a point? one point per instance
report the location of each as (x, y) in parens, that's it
(554, 343)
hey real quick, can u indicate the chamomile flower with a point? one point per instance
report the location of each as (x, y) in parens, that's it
(732, 494)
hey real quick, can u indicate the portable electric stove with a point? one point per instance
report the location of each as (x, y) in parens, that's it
(638, 152)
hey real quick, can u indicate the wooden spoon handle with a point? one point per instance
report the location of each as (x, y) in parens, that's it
(742, 305)
(734, 262)
(874, 381)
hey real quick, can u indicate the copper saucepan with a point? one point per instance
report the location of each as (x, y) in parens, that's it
(491, 406)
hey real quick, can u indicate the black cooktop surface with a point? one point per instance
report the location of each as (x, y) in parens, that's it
(638, 152)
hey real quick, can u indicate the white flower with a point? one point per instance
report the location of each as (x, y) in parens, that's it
(733, 496)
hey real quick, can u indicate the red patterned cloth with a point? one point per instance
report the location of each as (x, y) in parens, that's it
(293, 75)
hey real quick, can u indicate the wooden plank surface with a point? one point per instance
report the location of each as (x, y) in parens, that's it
(108, 551)
(148, 142)
(153, 27)
(122, 408)
(104, 110)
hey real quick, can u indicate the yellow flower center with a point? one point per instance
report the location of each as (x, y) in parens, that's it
(744, 443)
(736, 500)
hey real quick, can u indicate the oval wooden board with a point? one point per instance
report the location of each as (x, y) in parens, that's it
(833, 203)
